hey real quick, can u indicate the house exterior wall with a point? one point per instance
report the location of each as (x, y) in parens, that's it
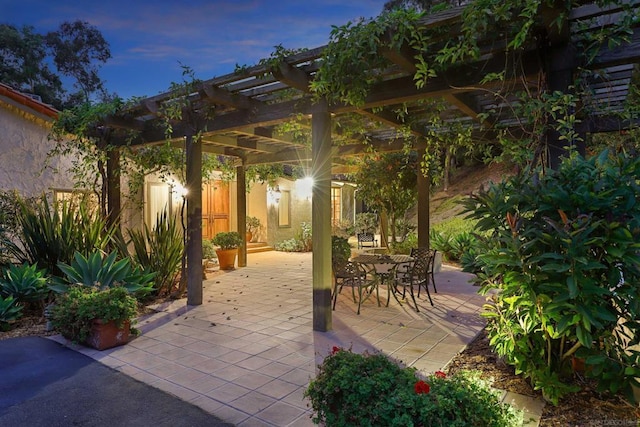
(300, 211)
(24, 146)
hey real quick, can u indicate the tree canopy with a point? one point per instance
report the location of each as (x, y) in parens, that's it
(76, 50)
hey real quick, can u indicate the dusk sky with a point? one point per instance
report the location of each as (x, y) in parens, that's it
(150, 39)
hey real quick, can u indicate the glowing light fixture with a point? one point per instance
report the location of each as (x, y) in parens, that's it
(304, 187)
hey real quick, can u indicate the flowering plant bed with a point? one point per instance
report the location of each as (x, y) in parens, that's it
(371, 390)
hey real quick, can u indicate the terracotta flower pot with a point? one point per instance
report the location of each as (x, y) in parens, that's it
(249, 236)
(107, 335)
(227, 258)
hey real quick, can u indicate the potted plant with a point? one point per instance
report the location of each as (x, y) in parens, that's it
(99, 318)
(253, 225)
(228, 242)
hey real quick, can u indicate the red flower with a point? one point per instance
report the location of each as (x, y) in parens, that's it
(440, 374)
(421, 387)
(335, 350)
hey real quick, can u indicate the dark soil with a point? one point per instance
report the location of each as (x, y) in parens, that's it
(584, 409)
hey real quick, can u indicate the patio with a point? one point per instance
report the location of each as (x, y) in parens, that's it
(248, 352)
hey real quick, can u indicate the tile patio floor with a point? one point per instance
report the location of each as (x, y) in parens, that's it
(248, 352)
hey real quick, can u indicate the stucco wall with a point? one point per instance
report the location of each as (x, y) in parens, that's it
(24, 147)
(300, 212)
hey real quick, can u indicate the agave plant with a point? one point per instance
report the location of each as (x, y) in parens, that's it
(25, 283)
(102, 273)
(10, 311)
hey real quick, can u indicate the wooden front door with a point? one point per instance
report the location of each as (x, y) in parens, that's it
(215, 208)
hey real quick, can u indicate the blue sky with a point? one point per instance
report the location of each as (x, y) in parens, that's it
(149, 39)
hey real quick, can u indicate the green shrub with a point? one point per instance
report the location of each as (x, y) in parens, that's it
(562, 265)
(304, 236)
(404, 247)
(453, 237)
(50, 234)
(366, 222)
(301, 243)
(25, 283)
(10, 311)
(370, 390)
(94, 271)
(340, 250)
(227, 240)
(343, 228)
(159, 250)
(74, 311)
(208, 249)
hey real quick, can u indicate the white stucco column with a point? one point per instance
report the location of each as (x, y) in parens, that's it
(321, 219)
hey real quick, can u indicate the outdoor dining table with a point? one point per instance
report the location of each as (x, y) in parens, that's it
(383, 268)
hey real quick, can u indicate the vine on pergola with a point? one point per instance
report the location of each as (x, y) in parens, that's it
(351, 63)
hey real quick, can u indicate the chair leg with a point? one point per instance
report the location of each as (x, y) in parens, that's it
(413, 296)
(335, 294)
(433, 282)
(426, 287)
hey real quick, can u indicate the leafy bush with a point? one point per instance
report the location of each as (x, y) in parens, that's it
(454, 237)
(208, 249)
(74, 311)
(10, 311)
(301, 243)
(370, 390)
(94, 271)
(344, 228)
(304, 236)
(159, 250)
(227, 240)
(340, 250)
(403, 229)
(404, 247)
(366, 222)
(563, 256)
(54, 233)
(25, 283)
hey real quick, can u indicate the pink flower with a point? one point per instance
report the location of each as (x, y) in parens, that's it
(421, 387)
(440, 374)
(335, 349)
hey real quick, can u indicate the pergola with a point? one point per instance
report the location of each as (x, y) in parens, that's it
(248, 104)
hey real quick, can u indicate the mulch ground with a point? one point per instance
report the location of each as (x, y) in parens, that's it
(586, 408)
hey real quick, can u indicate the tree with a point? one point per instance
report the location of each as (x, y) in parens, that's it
(388, 183)
(22, 64)
(76, 49)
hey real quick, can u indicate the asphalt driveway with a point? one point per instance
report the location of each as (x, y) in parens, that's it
(43, 383)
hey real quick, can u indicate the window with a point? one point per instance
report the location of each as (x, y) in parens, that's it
(284, 209)
(75, 197)
(158, 200)
(336, 205)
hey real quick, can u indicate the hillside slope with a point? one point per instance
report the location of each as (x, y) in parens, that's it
(466, 180)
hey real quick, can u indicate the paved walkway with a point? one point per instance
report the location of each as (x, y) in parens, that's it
(247, 354)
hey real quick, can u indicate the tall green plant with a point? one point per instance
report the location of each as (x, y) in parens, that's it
(102, 273)
(159, 250)
(53, 233)
(563, 258)
(25, 283)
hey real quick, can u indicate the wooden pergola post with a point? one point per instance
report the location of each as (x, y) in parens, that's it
(424, 184)
(241, 192)
(321, 219)
(113, 186)
(194, 219)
